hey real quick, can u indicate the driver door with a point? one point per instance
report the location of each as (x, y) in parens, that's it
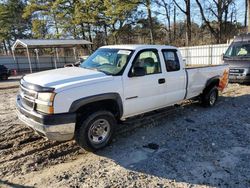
(144, 93)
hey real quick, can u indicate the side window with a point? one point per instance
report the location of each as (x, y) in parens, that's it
(171, 60)
(149, 60)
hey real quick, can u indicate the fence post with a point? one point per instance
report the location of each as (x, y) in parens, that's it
(210, 54)
(52, 60)
(187, 59)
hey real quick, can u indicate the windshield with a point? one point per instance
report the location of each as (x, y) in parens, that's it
(238, 50)
(109, 61)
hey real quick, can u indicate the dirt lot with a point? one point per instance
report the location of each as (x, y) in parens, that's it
(184, 146)
(12, 82)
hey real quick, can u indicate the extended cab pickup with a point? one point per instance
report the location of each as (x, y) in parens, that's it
(114, 83)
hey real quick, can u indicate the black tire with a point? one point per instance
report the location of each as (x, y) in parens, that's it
(84, 136)
(210, 97)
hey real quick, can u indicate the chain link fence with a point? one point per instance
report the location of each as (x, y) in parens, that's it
(43, 63)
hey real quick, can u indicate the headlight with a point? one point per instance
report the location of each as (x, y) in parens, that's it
(44, 102)
(46, 97)
(45, 109)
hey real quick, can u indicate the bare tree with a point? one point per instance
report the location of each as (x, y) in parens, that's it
(187, 12)
(147, 4)
(166, 5)
(217, 9)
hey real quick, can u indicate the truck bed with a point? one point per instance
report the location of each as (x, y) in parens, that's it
(198, 75)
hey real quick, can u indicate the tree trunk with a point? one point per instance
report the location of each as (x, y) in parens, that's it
(167, 10)
(220, 15)
(246, 7)
(174, 22)
(90, 37)
(106, 34)
(5, 48)
(56, 26)
(225, 21)
(83, 31)
(151, 29)
(9, 47)
(188, 15)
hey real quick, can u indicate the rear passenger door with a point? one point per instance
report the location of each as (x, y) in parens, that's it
(175, 77)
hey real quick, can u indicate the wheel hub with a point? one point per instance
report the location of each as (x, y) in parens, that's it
(212, 98)
(99, 131)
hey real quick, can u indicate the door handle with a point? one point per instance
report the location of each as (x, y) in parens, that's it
(161, 81)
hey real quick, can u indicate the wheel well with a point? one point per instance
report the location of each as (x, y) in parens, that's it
(108, 104)
(210, 84)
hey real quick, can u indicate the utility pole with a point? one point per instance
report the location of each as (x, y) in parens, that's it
(248, 15)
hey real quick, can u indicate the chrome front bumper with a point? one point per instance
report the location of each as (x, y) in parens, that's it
(59, 127)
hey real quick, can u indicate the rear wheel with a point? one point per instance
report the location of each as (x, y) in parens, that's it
(96, 130)
(210, 97)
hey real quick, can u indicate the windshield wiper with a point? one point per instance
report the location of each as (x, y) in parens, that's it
(99, 70)
(107, 73)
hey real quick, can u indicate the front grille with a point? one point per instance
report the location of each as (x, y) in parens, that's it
(27, 98)
(236, 71)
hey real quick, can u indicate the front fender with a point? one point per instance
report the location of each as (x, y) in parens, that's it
(96, 98)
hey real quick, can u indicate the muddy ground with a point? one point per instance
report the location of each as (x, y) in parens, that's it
(182, 146)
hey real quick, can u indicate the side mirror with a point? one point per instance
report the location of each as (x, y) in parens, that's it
(222, 56)
(138, 71)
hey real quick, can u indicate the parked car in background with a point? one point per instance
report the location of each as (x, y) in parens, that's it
(238, 58)
(4, 72)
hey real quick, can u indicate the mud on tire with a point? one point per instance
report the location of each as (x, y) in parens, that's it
(209, 98)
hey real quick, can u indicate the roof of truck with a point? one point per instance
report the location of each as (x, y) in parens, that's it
(138, 46)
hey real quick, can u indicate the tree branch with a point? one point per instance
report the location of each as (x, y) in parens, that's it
(181, 9)
(204, 18)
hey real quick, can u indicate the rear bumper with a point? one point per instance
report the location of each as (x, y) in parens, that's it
(59, 127)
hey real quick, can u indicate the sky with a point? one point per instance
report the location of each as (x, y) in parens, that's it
(196, 17)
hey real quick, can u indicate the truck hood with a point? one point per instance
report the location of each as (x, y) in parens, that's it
(238, 63)
(65, 78)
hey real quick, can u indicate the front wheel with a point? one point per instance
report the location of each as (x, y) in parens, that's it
(95, 131)
(209, 98)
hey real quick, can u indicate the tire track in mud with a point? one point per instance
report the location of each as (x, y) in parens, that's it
(14, 134)
(21, 150)
(37, 155)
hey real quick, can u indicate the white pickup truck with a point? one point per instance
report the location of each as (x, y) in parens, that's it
(114, 83)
